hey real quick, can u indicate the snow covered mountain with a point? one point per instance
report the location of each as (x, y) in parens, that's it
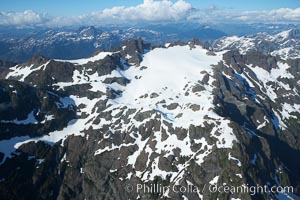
(21, 44)
(176, 116)
(285, 44)
(72, 43)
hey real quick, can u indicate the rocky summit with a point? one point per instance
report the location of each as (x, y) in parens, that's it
(154, 122)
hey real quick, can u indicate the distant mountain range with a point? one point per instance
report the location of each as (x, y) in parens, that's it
(20, 44)
(285, 44)
(72, 44)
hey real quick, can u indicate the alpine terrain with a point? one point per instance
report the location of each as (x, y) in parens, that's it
(154, 122)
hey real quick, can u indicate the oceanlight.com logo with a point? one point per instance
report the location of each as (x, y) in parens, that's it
(227, 189)
(252, 190)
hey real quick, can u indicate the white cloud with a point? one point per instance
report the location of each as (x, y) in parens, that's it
(150, 10)
(154, 11)
(281, 15)
(278, 15)
(23, 18)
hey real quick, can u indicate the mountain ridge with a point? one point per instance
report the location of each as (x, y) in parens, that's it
(284, 44)
(177, 114)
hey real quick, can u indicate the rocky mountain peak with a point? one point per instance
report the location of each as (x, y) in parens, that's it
(38, 60)
(132, 50)
(135, 46)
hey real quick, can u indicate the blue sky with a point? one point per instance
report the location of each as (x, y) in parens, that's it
(78, 7)
(63, 7)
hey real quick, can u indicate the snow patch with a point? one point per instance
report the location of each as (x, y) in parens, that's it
(83, 61)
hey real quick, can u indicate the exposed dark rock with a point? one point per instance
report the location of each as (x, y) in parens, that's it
(195, 107)
(4, 68)
(134, 48)
(119, 80)
(24, 108)
(154, 95)
(172, 106)
(53, 72)
(198, 88)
